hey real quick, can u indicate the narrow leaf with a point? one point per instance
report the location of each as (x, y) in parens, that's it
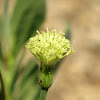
(1, 31)
(28, 87)
(6, 25)
(26, 19)
(16, 72)
(68, 32)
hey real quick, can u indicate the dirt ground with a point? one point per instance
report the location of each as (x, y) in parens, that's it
(78, 77)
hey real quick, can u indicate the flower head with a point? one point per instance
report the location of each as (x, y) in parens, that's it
(49, 47)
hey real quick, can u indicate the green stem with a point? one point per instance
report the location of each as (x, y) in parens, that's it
(43, 94)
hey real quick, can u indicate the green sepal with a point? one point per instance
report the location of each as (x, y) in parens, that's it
(46, 77)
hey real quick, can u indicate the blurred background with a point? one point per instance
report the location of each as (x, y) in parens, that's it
(78, 76)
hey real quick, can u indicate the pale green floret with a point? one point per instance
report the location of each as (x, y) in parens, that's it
(49, 47)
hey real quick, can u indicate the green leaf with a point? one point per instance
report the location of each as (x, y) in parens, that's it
(16, 72)
(1, 31)
(1, 96)
(6, 19)
(57, 66)
(68, 32)
(28, 87)
(26, 19)
(6, 27)
(31, 70)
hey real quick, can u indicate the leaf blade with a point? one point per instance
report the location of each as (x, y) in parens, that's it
(25, 22)
(28, 86)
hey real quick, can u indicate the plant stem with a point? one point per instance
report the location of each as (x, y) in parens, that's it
(2, 85)
(43, 94)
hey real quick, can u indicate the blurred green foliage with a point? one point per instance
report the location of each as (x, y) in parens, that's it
(20, 81)
(15, 30)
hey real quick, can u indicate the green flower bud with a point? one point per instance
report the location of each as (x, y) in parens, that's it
(46, 77)
(49, 47)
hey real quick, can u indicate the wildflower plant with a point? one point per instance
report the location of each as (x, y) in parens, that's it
(19, 81)
(48, 48)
